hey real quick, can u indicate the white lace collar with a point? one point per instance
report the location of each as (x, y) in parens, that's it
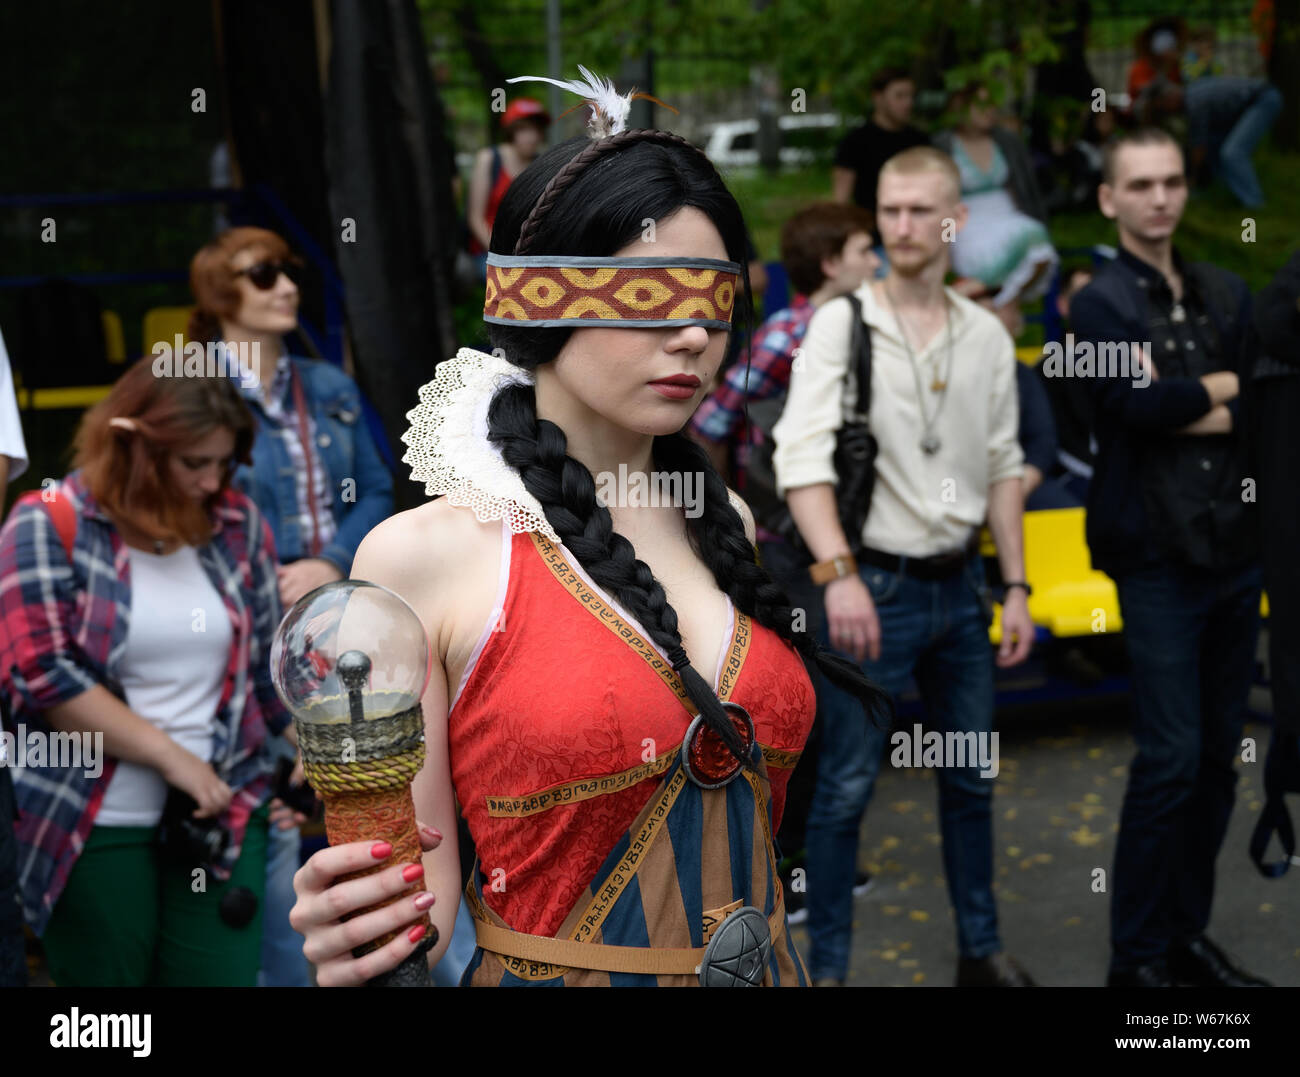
(449, 449)
(450, 453)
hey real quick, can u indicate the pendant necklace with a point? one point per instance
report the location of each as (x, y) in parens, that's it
(930, 443)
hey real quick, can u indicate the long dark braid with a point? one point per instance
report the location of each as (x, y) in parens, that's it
(718, 535)
(567, 493)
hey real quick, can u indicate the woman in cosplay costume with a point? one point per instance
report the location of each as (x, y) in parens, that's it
(622, 805)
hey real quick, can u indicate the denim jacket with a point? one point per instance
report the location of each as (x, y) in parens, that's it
(346, 449)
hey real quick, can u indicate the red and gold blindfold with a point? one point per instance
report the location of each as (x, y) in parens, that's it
(639, 293)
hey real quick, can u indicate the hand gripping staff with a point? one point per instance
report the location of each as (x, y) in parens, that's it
(351, 661)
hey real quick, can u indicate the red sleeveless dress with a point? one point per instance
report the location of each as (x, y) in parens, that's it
(568, 716)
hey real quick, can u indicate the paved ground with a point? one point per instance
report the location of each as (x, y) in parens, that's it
(1056, 811)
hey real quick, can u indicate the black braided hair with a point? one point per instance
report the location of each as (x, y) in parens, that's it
(576, 166)
(567, 492)
(591, 198)
(718, 537)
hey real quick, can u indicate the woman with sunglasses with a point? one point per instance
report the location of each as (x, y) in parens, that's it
(316, 474)
(138, 602)
(316, 471)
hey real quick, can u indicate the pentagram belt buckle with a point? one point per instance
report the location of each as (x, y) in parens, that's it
(706, 759)
(739, 951)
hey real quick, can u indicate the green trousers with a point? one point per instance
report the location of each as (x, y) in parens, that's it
(129, 919)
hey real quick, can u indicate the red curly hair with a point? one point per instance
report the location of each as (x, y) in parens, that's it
(128, 471)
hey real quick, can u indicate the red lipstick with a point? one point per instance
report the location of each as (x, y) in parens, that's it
(676, 387)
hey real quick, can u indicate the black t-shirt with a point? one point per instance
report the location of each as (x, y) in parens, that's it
(865, 149)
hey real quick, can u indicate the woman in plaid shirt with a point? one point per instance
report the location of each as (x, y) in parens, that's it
(137, 603)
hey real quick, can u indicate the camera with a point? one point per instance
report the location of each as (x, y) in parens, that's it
(187, 840)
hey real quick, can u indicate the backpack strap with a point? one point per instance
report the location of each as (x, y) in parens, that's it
(62, 514)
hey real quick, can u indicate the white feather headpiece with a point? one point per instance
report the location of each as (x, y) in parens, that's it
(609, 108)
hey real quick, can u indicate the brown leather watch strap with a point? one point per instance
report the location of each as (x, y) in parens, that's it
(825, 571)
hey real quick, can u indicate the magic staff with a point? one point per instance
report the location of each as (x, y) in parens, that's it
(362, 768)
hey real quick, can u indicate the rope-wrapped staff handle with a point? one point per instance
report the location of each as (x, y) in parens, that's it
(363, 770)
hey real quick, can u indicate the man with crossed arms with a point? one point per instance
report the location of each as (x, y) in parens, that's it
(944, 411)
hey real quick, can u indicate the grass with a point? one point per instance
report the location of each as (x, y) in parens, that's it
(1212, 228)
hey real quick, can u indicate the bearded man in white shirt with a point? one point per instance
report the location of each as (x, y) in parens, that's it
(913, 600)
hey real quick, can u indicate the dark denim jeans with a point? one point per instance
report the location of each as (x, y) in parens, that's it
(1236, 166)
(936, 630)
(790, 571)
(1191, 639)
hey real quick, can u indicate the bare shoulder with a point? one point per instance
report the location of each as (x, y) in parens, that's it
(427, 546)
(738, 503)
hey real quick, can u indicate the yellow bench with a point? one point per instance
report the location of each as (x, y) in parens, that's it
(77, 396)
(114, 339)
(1070, 597)
(162, 324)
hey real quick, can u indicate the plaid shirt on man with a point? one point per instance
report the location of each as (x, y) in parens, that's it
(63, 630)
(765, 375)
(278, 407)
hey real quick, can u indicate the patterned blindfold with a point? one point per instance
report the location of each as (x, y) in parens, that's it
(637, 293)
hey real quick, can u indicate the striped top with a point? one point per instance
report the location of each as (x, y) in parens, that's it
(282, 422)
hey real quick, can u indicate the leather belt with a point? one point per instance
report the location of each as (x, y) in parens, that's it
(592, 955)
(940, 566)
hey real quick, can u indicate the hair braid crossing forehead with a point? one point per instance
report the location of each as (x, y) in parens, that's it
(577, 164)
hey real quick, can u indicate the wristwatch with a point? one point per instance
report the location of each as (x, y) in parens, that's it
(825, 571)
(1018, 583)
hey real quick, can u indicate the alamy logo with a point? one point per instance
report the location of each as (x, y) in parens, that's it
(950, 749)
(77, 1029)
(62, 750)
(216, 359)
(1108, 359)
(656, 489)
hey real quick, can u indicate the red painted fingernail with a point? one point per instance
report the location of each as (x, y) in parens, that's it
(424, 901)
(416, 933)
(412, 872)
(381, 850)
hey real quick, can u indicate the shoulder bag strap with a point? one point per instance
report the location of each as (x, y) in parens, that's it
(860, 349)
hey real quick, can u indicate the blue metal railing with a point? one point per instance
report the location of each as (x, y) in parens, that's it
(328, 341)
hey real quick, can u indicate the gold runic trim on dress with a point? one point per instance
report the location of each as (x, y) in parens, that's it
(580, 789)
(595, 605)
(506, 805)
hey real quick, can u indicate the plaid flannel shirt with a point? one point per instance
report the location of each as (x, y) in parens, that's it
(63, 630)
(766, 374)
